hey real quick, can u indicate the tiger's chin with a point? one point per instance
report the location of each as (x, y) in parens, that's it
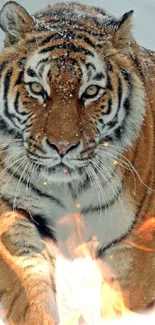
(62, 174)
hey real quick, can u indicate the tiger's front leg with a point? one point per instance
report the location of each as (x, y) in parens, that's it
(131, 264)
(26, 273)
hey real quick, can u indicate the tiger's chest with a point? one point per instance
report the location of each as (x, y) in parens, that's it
(105, 211)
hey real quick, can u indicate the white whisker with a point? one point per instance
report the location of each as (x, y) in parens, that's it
(121, 163)
(19, 183)
(115, 188)
(133, 169)
(6, 184)
(104, 174)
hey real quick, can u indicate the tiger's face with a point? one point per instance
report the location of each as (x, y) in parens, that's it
(73, 101)
(70, 104)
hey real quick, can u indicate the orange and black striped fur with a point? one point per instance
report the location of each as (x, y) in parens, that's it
(77, 126)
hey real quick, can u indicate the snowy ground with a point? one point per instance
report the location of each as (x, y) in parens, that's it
(144, 17)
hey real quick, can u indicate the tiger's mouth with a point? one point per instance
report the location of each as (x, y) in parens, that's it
(61, 168)
(53, 163)
(61, 172)
(58, 168)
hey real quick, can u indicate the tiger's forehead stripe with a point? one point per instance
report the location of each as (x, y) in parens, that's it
(76, 48)
(69, 47)
(64, 50)
(69, 36)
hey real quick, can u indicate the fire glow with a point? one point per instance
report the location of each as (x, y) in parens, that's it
(83, 296)
(86, 293)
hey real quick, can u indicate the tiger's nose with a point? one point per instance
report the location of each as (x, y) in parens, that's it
(62, 147)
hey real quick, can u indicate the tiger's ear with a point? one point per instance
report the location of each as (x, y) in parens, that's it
(122, 33)
(15, 22)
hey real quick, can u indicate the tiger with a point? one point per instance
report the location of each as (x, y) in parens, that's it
(77, 135)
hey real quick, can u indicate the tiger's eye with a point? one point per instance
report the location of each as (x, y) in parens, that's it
(91, 91)
(36, 87)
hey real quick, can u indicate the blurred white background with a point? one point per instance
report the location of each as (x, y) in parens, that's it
(144, 15)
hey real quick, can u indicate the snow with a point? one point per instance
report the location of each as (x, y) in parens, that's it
(144, 13)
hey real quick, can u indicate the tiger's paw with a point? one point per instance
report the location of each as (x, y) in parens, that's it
(115, 261)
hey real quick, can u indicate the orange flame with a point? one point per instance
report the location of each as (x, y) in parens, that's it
(112, 305)
(110, 296)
